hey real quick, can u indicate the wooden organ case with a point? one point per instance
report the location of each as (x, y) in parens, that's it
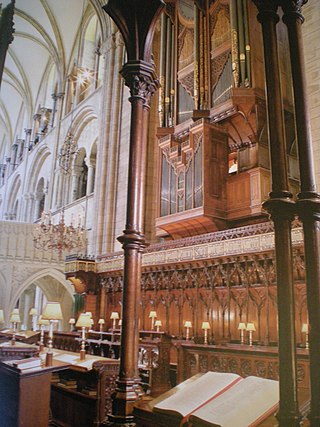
(213, 147)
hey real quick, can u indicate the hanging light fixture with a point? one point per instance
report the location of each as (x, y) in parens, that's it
(58, 237)
(67, 151)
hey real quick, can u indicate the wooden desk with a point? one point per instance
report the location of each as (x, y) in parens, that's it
(245, 360)
(25, 396)
(28, 337)
(145, 417)
(17, 351)
(81, 393)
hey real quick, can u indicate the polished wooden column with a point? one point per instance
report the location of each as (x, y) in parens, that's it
(281, 208)
(139, 74)
(308, 199)
(6, 32)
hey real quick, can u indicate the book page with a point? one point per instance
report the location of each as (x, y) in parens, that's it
(191, 397)
(251, 399)
(69, 358)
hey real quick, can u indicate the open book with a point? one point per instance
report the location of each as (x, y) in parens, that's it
(222, 400)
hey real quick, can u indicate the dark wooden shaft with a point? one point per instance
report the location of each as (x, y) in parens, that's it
(308, 200)
(137, 29)
(6, 31)
(280, 206)
(140, 77)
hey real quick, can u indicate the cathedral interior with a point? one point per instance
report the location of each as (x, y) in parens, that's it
(159, 167)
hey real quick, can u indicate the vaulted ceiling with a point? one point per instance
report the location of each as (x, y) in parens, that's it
(45, 39)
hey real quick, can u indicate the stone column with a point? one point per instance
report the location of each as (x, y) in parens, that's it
(308, 199)
(91, 176)
(76, 171)
(281, 208)
(102, 158)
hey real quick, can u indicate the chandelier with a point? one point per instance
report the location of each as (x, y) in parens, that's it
(58, 237)
(67, 151)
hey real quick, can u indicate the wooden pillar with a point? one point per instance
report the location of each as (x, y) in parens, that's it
(281, 208)
(308, 200)
(140, 77)
(6, 31)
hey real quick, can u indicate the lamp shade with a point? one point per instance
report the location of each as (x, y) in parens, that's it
(84, 321)
(242, 326)
(1, 316)
(152, 314)
(250, 327)
(15, 318)
(305, 327)
(89, 313)
(187, 324)
(114, 315)
(33, 312)
(72, 321)
(42, 321)
(101, 322)
(52, 311)
(205, 325)
(120, 322)
(158, 323)
(15, 311)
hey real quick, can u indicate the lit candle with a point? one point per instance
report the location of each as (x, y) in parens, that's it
(187, 325)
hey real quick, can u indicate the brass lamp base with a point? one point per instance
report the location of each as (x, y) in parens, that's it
(82, 354)
(49, 358)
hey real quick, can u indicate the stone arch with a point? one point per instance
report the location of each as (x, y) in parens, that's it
(36, 166)
(55, 287)
(13, 198)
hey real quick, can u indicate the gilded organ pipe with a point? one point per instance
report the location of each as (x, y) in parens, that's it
(201, 62)
(247, 43)
(162, 69)
(242, 54)
(168, 72)
(234, 42)
(206, 61)
(172, 74)
(196, 57)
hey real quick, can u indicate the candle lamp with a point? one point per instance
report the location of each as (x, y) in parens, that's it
(83, 322)
(114, 317)
(187, 325)
(242, 327)
(152, 316)
(91, 318)
(250, 328)
(42, 323)
(14, 319)
(72, 322)
(305, 329)
(52, 312)
(101, 322)
(34, 313)
(157, 324)
(205, 326)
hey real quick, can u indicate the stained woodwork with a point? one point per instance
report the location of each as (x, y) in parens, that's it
(84, 410)
(24, 396)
